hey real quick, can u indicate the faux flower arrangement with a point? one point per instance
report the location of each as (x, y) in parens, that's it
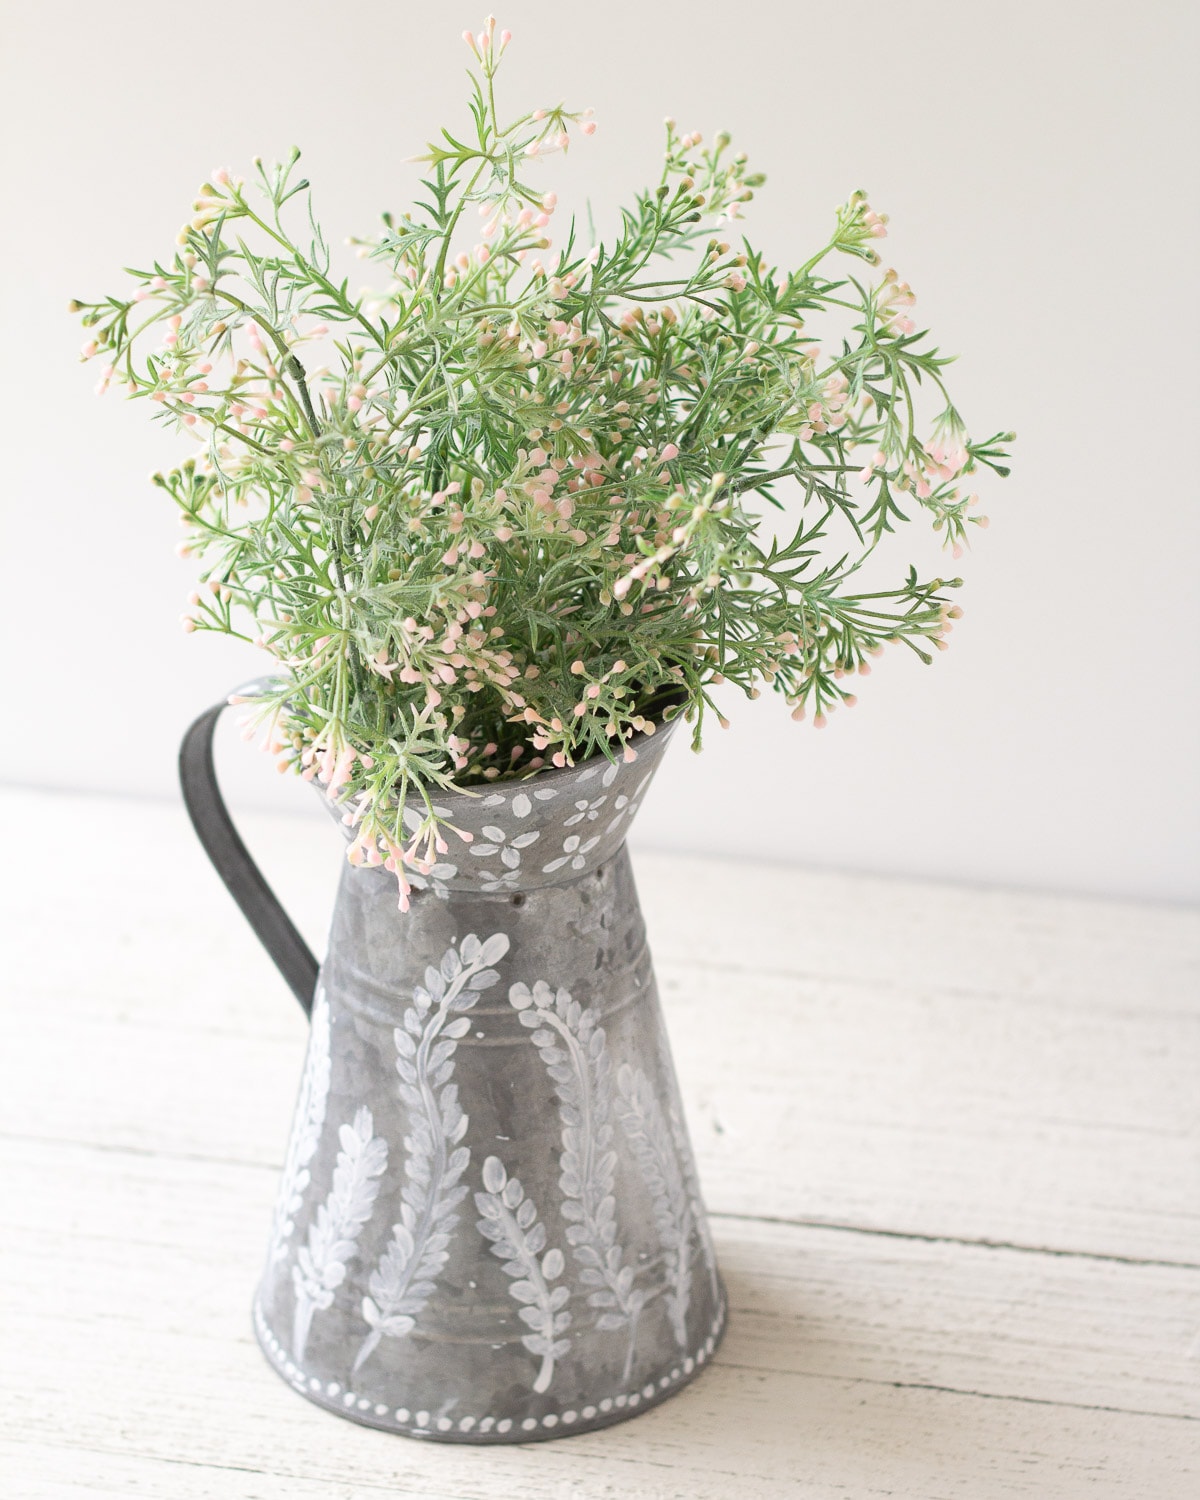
(502, 513)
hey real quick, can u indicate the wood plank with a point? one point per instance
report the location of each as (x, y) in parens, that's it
(911, 1112)
(731, 914)
(915, 1093)
(854, 1365)
(172, 1250)
(986, 1066)
(818, 1440)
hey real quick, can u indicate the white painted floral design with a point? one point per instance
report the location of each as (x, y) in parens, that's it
(333, 1234)
(306, 1128)
(508, 1219)
(650, 1139)
(575, 852)
(625, 807)
(434, 879)
(585, 811)
(402, 1282)
(415, 814)
(522, 802)
(574, 1049)
(499, 842)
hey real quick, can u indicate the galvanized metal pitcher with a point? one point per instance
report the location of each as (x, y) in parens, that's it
(489, 1227)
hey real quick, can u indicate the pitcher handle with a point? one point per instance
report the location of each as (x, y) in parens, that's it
(242, 878)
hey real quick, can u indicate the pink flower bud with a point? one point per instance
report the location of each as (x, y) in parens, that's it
(588, 127)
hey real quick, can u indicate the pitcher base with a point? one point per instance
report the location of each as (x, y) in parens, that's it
(488, 1427)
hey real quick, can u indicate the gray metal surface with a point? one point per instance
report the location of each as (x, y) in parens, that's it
(489, 1227)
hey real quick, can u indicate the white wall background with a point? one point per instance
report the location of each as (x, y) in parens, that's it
(1036, 159)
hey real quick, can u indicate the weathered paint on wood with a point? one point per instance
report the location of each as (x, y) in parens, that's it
(879, 1076)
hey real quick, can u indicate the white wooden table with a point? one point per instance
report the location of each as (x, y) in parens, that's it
(948, 1138)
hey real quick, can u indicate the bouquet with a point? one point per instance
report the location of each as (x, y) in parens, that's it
(506, 510)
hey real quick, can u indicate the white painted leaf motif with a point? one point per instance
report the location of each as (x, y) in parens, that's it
(641, 1117)
(508, 1221)
(306, 1127)
(333, 1234)
(404, 1278)
(573, 1048)
(691, 1182)
(494, 949)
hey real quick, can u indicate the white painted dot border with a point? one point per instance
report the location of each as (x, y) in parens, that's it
(331, 1394)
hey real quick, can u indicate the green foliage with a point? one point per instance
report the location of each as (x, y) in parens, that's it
(503, 512)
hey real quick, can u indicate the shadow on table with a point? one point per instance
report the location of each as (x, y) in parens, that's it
(784, 1406)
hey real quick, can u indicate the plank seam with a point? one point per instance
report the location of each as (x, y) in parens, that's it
(954, 1390)
(952, 1239)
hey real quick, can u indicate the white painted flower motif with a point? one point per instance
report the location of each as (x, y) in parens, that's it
(627, 806)
(585, 810)
(509, 849)
(434, 879)
(498, 880)
(522, 803)
(415, 815)
(574, 851)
